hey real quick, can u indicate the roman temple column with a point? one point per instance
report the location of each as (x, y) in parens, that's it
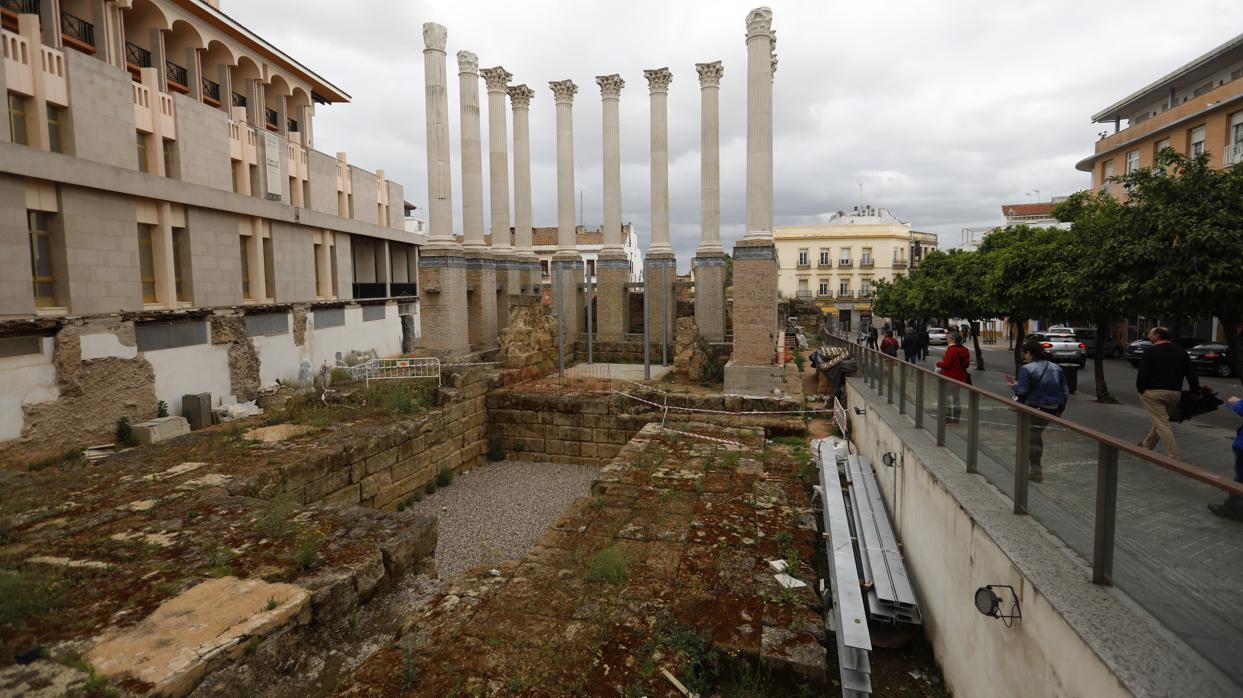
(508, 277)
(442, 268)
(480, 267)
(613, 267)
(567, 266)
(520, 100)
(709, 259)
(660, 264)
(754, 368)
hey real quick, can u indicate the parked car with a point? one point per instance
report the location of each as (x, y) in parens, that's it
(1062, 348)
(1211, 358)
(1135, 349)
(1087, 335)
(938, 336)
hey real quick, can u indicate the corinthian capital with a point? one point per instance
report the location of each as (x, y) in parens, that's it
(710, 73)
(467, 62)
(658, 79)
(563, 91)
(435, 36)
(759, 21)
(497, 79)
(520, 96)
(610, 85)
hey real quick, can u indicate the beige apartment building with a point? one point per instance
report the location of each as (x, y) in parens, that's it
(162, 203)
(836, 264)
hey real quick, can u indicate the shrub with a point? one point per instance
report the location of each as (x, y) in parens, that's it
(399, 397)
(340, 375)
(444, 477)
(496, 449)
(161, 409)
(275, 520)
(609, 565)
(26, 594)
(67, 458)
(125, 433)
(430, 487)
(305, 555)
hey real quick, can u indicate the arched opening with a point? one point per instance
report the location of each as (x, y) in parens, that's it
(143, 22)
(216, 62)
(181, 47)
(77, 25)
(273, 107)
(297, 116)
(241, 76)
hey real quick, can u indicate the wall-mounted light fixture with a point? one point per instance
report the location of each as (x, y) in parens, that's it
(889, 459)
(989, 603)
(860, 411)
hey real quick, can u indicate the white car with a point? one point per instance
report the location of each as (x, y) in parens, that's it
(938, 336)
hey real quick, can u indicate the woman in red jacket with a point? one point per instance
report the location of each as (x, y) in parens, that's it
(955, 364)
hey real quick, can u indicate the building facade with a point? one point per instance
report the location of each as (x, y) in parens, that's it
(837, 264)
(589, 243)
(162, 203)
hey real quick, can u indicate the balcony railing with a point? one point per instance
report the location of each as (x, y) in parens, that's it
(844, 263)
(271, 117)
(21, 7)
(370, 290)
(824, 294)
(239, 100)
(899, 264)
(865, 295)
(77, 32)
(291, 125)
(824, 264)
(137, 56)
(867, 263)
(845, 295)
(397, 290)
(211, 90)
(804, 295)
(804, 265)
(177, 75)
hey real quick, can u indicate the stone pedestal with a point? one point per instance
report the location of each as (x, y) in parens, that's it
(660, 269)
(710, 296)
(567, 272)
(442, 302)
(529, 275)
(508, 283)
(612, 273)
(753, 369)
(480, 299)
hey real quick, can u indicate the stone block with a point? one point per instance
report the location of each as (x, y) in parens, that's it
(381, 461)
(161, 429)
(344, 497)
(333, 481)
(372, 484)
(197, 410)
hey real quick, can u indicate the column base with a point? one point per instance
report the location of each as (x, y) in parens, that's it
(710, 295)
(612, 273)
(567, 272)
(660, 268)
(442, 296)
(756, 324)
(754, 381)
(481, 299)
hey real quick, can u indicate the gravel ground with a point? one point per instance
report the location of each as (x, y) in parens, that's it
(497, 512)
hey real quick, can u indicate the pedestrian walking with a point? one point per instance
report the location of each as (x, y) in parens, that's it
(1232, 508)
(872, 338)
(910, 346)
(1041, 384)
(889, 345)
(1162, 368)
(924, 342)
(954, 365)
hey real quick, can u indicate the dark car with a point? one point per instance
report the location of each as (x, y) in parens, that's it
(1135, 349)
(1211, 358)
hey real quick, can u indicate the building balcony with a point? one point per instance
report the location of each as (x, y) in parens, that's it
(77, 33)
(211, 92)
(242, 143)
(11, 8)
(22, 73)
(178, 77)
(867, 263)
(845, 263)
(803, 295)
(865, 295)
(271, 119)
(370, 290)
(136, 57)
(899, 264)
(803, 265)
(845, 295)
(238, 100)
(824, 264)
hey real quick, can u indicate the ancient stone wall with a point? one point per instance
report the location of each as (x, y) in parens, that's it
(529, 343)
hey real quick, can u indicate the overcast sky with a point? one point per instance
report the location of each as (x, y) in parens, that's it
(943, 111)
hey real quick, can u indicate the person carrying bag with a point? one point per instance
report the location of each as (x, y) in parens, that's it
(1041, 384)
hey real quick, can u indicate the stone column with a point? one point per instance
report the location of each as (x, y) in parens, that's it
(442, 268)
(613, 267)
(508, 277)
(567, 266)
(520, 100)
(660, 263)
(754, 368)
(480, 267)
(709, 259)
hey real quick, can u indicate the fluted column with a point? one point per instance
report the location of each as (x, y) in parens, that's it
(442, 273)
(508, 276)
(761, 64)
(658, 84)
(566, 263)
(613, 267)
(480, 267)
(520, 100)
(710, 256)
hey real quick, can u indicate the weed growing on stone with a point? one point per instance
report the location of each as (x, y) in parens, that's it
(444, 477)
(305, 555)
(496, 449)
(702, 667)
(609, 565)
(748, 682)
(517, 683)
(24, 594)
(430, 487)
(784, 538)
(272, 604)
(410, 670)
(730, 460)
(410, 501)
(161, 409)
(219, 561)
(786, 597)
(399, 397)
(70, 457)
(125, 433)
(275, 521)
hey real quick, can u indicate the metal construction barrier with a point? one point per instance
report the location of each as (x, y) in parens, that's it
(388, 369)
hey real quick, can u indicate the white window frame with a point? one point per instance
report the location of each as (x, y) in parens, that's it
(1132, 161)
(1197, 141)
(803, 258)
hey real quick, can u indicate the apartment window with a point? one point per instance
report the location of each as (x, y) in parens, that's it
(168, 158)
(802, 288)
(845, 254)
(269, 269)
(867, 256)
(1132, 161)
(866, 287)
(55, 129)
(1202, 89)
(319, 278)
(1197, 141)
(246, 292)
(823, 290)
(1107, 171)
(142, 153)
(181, 256)
(234, 170)
(306, 193)
(1159, 146)
(802, 257)
(1236, 129)
(824, 256)
(591, 269)
(146, 262)
(17, 118)
(41, 262)
(843, 287)
(543, 267)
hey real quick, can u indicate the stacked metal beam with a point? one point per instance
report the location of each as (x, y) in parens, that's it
(888, 591)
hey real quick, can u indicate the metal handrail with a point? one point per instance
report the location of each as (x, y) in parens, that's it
(211, 89)
(239, 100)
(21, 7)
(137, 55)
(77, 28)
(177, 73)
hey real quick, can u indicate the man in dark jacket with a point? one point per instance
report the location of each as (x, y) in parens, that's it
(910, 345)
(1159, 381)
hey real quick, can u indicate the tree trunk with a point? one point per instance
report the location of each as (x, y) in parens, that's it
(1098, 361)
(1234, 352)
(975, 336)
(1017, 331)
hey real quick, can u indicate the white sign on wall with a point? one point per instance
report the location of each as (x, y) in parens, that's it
(271, 155)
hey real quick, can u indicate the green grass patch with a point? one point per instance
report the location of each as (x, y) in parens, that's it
(444, 477)
(305, 554)
(70, 457)
(610, 565)
(496, 449)
(400, 397)
(276, 519)
(28, 593)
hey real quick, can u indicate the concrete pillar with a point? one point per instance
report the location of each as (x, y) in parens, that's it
(37, 135)
(520, 99)
(753, 368)
(660, 262)
(567, 266)
(613, 266)
(508, 276)
(480, 267)
(709, 259)
(442, 267)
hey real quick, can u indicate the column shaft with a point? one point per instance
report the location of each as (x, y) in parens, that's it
(439, 173)
(709, 259)
(567, 266)
(480, 267)
(613, 267)
(760, 67)
(658, 82)
(520, 99)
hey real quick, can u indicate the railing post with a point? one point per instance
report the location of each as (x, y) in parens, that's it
(973, 430)
(902, 388)
(1022, 448)
(892, 363)
(1106, 514)
(919, 399)
(941, 411)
